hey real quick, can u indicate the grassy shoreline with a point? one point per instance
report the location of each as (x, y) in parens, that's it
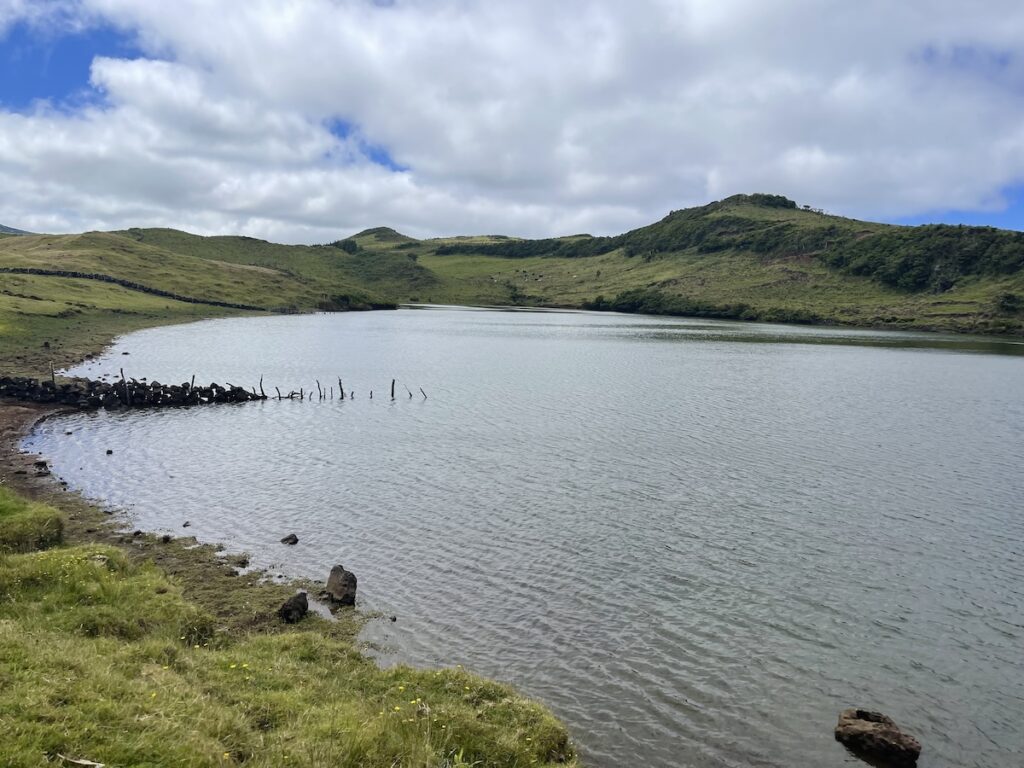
(127, 648)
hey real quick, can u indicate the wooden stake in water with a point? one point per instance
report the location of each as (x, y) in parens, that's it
(392, 389)
(127, 394)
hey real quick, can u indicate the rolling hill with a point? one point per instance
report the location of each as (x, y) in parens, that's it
(12, 231)
(750, 257)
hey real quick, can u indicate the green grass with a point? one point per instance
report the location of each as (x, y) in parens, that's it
(25, 525)
(105, 658)
(748, 257)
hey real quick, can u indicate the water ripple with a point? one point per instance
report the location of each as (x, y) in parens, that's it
(695, 541)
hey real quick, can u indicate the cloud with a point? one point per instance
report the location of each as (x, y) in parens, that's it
(525, 118)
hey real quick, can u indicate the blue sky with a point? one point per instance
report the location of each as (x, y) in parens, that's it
(53, 65)
(306, 121)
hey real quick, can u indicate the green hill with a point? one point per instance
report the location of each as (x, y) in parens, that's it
(74, 292)
(762, 257)
(12, 231)
(751, 257)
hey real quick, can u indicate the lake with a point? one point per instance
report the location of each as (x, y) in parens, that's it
(695, 541)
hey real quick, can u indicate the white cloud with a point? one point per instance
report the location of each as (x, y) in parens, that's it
(525, 118)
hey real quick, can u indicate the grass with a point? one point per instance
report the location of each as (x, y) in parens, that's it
(104, 657)
(25, 525)
(743, 257)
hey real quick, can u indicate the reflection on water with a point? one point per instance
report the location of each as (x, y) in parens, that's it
(697, 552)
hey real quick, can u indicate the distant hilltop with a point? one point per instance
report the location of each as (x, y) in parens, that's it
(12, 231)
(746, 257)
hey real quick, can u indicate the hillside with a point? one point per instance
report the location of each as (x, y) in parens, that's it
(12, 231)
(759, 257)
(750, 257)
(46, 298)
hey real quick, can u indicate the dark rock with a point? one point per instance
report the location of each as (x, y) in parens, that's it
(109, 452)
(41, 464)
(341, 586)
(291, 539)
(186, 524)
(294, 609)
(166, 538)
(394, 619)
(136, 533)
(873, 736)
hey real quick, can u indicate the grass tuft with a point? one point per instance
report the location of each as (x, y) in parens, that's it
(25, 525)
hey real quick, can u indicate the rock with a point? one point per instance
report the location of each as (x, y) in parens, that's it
(109, 452)
(186, 524)
(166, 538)
(873, 736)
(291, 539)
(394, 619)
(341, 586)
(294, 609)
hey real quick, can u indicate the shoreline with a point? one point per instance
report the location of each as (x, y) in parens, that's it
(486, 720)
(209, 578)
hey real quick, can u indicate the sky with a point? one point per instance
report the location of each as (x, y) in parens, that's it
(308, 120)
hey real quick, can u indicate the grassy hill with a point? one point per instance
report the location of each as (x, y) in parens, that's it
(11, 231)
(52, 316)
(755, 257)
(762, 257)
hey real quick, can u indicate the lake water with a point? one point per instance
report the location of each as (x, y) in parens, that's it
(695, 541)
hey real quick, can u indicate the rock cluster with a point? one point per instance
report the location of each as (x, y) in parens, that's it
(88, 393)
(874, 736)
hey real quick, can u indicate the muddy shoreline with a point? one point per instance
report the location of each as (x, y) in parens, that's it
(241, 599)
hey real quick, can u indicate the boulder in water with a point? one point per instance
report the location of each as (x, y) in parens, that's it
(341, 586)
(875, 737)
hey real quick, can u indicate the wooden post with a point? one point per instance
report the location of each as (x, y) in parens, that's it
(278, 392)
(341, 388)
(392, 389)
(332, 393)
(302, 394)
(423, 393)
(318, 390)
(53, 376)
(127, 394)
(193, 384)
(264, 394)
